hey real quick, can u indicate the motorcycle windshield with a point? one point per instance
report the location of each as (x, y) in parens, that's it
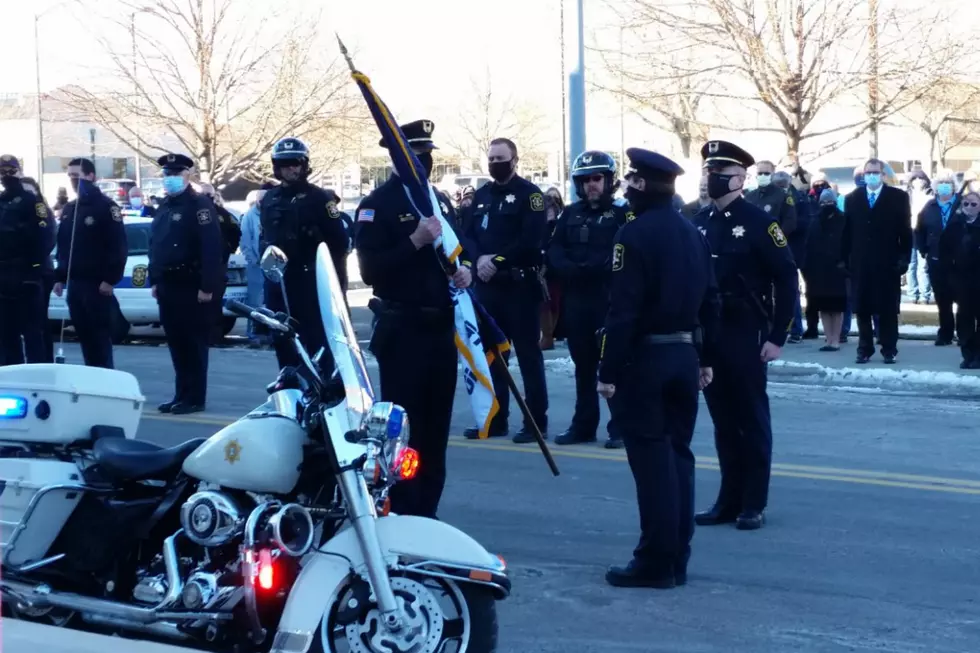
(342, 339)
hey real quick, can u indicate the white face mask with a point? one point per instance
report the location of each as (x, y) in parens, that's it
(763, 179)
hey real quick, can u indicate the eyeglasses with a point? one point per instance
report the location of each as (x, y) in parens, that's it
(971, 203)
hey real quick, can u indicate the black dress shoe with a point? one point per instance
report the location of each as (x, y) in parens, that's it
(862, 359)
(634, 576)
(526, 436)
(750, 520)
(715, 516)
(182, 408)
(889, 359)
(614, 443)
(474, 434)
(167, 406)
(571, 436)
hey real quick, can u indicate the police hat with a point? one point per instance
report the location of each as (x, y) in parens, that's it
(652, 166)
(723, 153)
(9, 161)
(175, 163)
(418, 134)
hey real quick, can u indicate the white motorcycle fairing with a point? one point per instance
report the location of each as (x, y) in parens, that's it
(417, 544)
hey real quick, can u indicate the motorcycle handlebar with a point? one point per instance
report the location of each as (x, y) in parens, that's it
(257, 314)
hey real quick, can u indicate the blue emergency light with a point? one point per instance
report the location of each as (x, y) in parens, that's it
(13, 407)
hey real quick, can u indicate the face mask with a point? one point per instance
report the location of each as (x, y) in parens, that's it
(136, 202)
(426, 160)
(173, 185)
(819, 188)
(500, 170)
(944, 189)
(764, 180)
(9, 182)
(873, 180)
(718, 185)
(828, 208)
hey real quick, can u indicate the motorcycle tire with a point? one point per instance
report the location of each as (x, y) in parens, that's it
(482, 613)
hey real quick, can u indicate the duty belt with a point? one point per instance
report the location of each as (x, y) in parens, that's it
(681, 337)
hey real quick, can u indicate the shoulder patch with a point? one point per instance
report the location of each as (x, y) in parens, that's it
(537, 202)
(619, 255)
(789, 199)
(116, 213)
(332, 209)
(365, 215)
(630, 216)
(41, 211)
(204, 216)
(776, 233)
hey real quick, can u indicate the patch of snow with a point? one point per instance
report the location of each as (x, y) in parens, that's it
(883, 377)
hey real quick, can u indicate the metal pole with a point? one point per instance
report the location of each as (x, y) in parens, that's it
(622, 105)
(37, 92)
(563, 164)
(576, 94)
(873, 81)
(136, 124)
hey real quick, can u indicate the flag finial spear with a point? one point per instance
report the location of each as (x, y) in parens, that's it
(343, 51)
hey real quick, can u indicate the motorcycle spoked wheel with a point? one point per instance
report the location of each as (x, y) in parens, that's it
(443, 617)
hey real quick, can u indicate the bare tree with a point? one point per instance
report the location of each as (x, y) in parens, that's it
(485, 114)
(225, 84)
(798, 58)
(947, 111)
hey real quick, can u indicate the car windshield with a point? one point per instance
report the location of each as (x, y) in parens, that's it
(138, 236)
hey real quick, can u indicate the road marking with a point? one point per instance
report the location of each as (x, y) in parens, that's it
(785, 470)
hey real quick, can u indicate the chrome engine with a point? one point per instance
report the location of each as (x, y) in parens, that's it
(212, 519)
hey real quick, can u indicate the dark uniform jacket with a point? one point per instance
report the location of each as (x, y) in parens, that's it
(580, 251)
(26, 235)
(509, 222)
(100, 247)
(186, 247)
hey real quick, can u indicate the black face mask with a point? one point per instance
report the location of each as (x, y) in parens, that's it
(718, 185)
(827, 209)
(11, 182)
(426, 160)
(638, 200)
(500, 170)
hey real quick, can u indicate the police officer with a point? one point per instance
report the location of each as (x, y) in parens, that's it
(776, 202)
(47, 278)
(185, 273)
(580, 256)
(414, 335)
(296, 217)
(92, 251)
(506, 234)
(348, 221)
(231, 237)
(654, 362)
(753, 263)
(26, 241)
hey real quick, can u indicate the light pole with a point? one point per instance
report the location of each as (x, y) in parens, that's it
(136, 103)
(622, 105)
(563, 164)
(37, 93)
(576, 93)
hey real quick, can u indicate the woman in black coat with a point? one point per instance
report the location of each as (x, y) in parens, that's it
(825, 270)
(959, 244)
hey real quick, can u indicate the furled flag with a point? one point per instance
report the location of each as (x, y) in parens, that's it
(471, 320)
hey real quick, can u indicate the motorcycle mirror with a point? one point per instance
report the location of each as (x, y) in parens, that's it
(273, 263)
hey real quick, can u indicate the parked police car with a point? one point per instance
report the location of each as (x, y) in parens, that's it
(137, 307)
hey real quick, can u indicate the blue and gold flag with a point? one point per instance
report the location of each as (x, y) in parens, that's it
(473, 323)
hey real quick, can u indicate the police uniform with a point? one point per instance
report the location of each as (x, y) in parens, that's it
(509, 223)
(779, 204)
(663, 296)
(414, 333)
(580, 256)
(296, 217)
(231, 238)
(186, 258)
(758, 282)
(26, 241)
(92, 240)
(348, 223)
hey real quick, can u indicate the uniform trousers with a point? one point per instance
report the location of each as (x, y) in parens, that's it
(417, 363)
(21, 312)
(738, 402)
(91, 315)
(187, 326)
(656, 406)
(516, 308)
(583, 313)
(304, 307)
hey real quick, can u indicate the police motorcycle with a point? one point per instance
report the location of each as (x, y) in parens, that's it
(274, 534)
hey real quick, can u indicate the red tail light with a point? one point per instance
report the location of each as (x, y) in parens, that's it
(266, 576)
(406, 464)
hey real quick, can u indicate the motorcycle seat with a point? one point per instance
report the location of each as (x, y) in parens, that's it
(122, 459)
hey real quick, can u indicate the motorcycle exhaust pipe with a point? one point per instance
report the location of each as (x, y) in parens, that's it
(42, 596)
(169, 631)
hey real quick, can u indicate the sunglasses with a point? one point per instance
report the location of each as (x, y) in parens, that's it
(971, 203)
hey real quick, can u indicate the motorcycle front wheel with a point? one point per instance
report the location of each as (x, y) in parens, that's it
(442, 616)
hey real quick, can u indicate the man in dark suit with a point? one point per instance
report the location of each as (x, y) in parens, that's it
(877, 244)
